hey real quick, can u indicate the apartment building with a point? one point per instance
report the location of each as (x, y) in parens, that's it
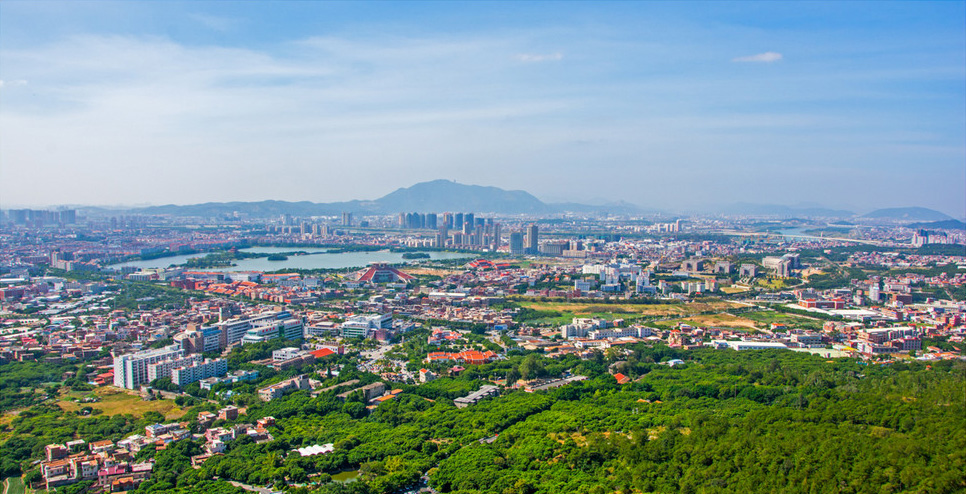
(131, 370)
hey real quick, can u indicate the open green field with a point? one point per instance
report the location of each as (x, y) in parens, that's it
(745, 321)
(14, 485)
(775, 283)
(115, 401)
(712, 320)
(564, 312)
(766, 317)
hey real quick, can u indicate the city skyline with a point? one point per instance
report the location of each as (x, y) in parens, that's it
(673, 107)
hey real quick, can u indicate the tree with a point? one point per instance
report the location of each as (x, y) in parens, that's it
(532, 367)
(512, 376)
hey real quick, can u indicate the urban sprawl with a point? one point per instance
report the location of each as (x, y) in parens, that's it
(152, 310)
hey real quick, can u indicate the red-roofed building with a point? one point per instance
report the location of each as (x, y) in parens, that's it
(621, 378)
(474, 357)
(325, 352)
(380, 272)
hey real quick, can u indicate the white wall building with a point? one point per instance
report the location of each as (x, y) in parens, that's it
(131, 370)
(198, 371)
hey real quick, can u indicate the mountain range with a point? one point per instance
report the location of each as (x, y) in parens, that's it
(445, 195)
(425, 197)
(908, 214)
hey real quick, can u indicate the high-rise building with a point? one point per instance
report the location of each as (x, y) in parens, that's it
(431, 221)
(533, 240)
(496, 237)
(458, 221)
(68, 216)
(131, 370)
(468, 220)
(198, 371)
(516, 243)
(346, 219)
(163, 368)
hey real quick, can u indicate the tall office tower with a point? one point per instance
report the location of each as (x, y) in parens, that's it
(68, 216)
(533, 240)
(496, 237)
(516, 243)
(458, 221)
(346, 219)
(431, 221)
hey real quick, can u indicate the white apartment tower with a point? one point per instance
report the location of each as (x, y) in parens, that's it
(131, 370)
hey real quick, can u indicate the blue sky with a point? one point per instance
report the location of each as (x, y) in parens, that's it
(856, 105)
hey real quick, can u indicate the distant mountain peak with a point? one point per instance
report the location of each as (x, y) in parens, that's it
(446, 195)
(908, 214)
(434, 196)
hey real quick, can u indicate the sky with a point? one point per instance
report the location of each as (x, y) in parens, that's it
(675, 106)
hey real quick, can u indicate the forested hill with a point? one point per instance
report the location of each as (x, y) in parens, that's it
(765, 421)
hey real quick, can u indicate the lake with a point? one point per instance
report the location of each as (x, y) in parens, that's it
(346, 476)
(317, 258)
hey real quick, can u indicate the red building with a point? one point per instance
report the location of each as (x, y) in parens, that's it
(380, 272)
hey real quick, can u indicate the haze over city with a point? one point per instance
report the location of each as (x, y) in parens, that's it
(855, 105)
(400, 247)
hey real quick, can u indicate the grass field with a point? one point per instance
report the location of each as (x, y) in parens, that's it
(583, 310)
(14, 485)
(745, 321)
(715, 320)
(8, 417)
(765, 318)
(115, 401)
(628, 312)
(772, 283)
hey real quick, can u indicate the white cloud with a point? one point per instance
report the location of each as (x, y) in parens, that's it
(767, 57)
(535, 57)
(115, 108)
(17, 82)
(215, 23)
